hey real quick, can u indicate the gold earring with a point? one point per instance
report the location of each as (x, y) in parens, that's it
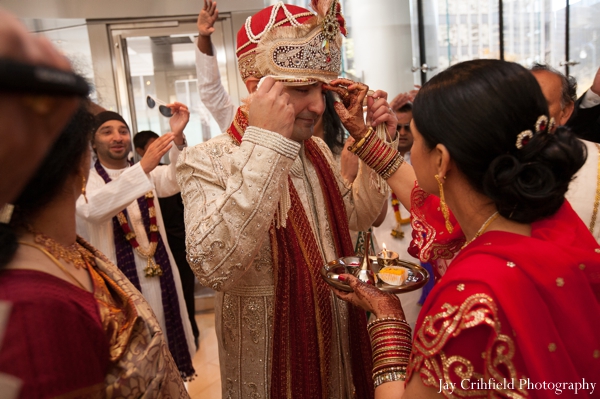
(83, 189)
(443, 205)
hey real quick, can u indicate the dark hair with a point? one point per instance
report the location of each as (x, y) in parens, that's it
(334, 134)
(407, 107)
(140, 140)
(568, 83)
(63, 160)
(476, 109)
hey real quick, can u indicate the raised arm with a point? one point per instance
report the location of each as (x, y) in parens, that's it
(106, 200)
(350, 110)
(211, 90)
(165, 177)
(230, 194)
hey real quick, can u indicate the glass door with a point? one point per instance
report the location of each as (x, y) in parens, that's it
(450, 31)
(584, 42)
(534, 32)
(158, 59)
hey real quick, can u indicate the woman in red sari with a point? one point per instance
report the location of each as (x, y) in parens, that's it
(517, 313)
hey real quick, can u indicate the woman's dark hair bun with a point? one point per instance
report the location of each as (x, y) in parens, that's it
(532, 184)
(476, 109)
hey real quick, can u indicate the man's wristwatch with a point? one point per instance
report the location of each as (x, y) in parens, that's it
(182, 146)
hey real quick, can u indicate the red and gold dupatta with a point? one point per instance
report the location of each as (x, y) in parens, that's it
(303, 319)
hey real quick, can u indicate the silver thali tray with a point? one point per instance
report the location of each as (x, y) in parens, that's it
(417, 275)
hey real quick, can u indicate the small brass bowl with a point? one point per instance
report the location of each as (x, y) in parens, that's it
(391, 259)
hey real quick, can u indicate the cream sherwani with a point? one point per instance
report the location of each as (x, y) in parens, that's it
(230, 194)
(584, 189)
(94, 223)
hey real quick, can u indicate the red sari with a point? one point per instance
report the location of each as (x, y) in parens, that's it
(515, 316)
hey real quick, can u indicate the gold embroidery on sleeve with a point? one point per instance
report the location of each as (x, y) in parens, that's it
(436, 368)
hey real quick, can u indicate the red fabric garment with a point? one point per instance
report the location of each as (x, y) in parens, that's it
(54, 342)
(522, 308)
(431, 242)
(302, 345)
(262, 20)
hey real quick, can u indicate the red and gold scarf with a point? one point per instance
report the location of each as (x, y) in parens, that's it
(303, 319)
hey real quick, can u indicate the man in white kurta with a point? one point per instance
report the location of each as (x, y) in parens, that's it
(105, 201)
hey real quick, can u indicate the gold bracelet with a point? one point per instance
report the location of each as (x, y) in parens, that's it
(389, 377)
(360, 143)
(384, 319)
(392, 167)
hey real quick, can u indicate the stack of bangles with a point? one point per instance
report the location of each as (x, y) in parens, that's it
(377, 154)
(391, 345)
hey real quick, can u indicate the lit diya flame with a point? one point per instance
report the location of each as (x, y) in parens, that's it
(384, 251)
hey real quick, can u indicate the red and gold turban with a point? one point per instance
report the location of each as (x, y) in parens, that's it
(293, 43)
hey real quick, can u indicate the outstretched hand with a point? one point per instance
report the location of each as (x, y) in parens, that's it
(369, 298)
(350, 109)
(155, 152)
(207, 17)
(403, 98)
(179, 120)
(270, 108)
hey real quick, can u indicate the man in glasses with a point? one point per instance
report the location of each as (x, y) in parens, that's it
(266, 209)
(120, 215)
(405, 137)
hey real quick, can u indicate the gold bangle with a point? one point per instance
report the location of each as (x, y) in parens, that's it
(394, 166)
(384, 319)
(360, 143)
(389, 377)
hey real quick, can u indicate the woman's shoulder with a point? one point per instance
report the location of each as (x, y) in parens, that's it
(54, 328)
(39, 300)
(34, 287)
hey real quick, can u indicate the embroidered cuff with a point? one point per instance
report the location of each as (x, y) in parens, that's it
(274, 141)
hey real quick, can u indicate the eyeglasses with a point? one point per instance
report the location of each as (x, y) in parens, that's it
(162, 107)
(405, 126)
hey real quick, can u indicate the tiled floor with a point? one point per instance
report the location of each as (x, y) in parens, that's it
(206, 361)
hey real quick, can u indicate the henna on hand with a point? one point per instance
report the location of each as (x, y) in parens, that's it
(371, 299)
(350, 108)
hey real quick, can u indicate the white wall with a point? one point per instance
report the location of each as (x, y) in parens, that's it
(382, 43)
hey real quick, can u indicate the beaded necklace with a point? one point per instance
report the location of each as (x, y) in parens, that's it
(152, 268)
(74, 254)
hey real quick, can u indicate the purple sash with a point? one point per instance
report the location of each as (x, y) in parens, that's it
(126, 263)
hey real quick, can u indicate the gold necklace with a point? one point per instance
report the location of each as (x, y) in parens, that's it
(56, 262)
(482, 229)
(74, 254)
(597, 197)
